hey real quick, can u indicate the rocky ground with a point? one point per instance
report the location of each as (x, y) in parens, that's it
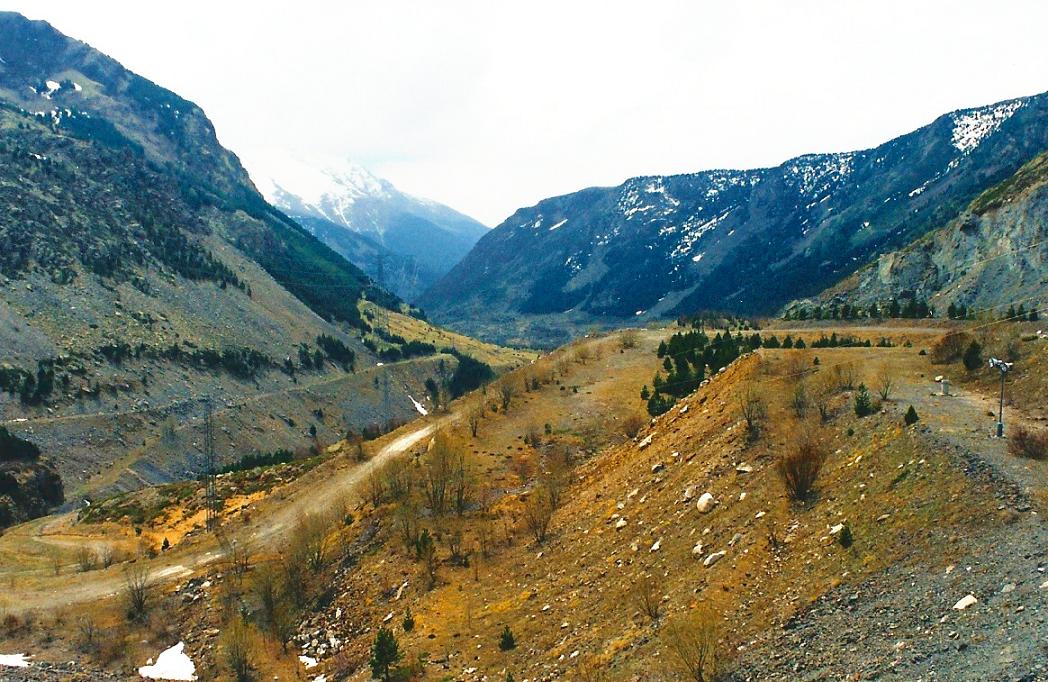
(904, 623)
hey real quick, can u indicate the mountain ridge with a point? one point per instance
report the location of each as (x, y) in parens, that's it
(737, 240)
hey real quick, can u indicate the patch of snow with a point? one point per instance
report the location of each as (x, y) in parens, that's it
(308, 662)
(171, 664)
(52, 88)
(972, 126)
(419, 406)
(14, 661)
(818, 173)
(698, 257)
(77, 87)
(326, 189)
(560, 224)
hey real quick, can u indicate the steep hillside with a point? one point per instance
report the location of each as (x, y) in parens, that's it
(731, 240)
(546, 533)
(993, 255)
(405, 242)
(142, 273)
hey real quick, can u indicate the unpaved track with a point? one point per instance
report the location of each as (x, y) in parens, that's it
(319, 491)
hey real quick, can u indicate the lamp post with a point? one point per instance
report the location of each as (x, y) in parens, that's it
(1002, 367)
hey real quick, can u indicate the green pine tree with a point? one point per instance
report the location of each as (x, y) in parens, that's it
(385, 654)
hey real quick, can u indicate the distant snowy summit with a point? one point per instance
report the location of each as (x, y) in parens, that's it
(404, 242)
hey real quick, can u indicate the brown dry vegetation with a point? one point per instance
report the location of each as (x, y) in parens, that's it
(580, 540)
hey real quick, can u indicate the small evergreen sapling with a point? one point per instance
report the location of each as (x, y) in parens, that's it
(911, 416)
(506, 640)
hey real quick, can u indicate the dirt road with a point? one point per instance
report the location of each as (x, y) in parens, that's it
(320, 491)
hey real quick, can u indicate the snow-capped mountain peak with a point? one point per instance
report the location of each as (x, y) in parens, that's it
(326, 191)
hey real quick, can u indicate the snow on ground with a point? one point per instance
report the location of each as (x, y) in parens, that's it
(171, 664)
(14, 660)
(419, 406)
(971, 126)
(308, 662)
(561, 223)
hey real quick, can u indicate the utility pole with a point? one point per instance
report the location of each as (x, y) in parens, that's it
(1003, 367)
(211, 494)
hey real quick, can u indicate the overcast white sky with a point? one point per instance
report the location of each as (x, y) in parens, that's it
(488, 106)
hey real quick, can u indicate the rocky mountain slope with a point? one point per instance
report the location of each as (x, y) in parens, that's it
(405, 242)
(738, 240)
(142, 272)
(992, 255)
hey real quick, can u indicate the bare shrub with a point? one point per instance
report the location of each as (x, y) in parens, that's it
(692, 639)
(532, 436)
(474, 417)
(800, 401)
(506, 393)
(628, 339)
(799, 467)
(1027, 443)
(309, 542)
(950, 348)
(885, 384)
(845, 375)
(583, 354)
(87, 635)
(399, 478)
(86, 559)
(646, 597)
(137, 589)
(106, 556)
(754, 411)
(236, 652)
(376, 488)
(538, 514)
(443, 474)
(237, 557)
(632, 424)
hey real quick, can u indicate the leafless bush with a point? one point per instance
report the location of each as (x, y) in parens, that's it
(754, 411)
(583, 354)
(950, 348)
(444, 476)
(137, 588)
(376, 488)
(799, 467)
(845, 375)
(474, 417)
(800, 401)
(1024, 442)
(538, 514)
(106, 556)
(236, 652)
(692, 638)
(88, 636)
(628, 339)
(885, 384)
(310, 541)
(399, 478)
(645, 594)
(532, 436)
(236, 556)
(86, 559)
(632, 424)
(506, 393)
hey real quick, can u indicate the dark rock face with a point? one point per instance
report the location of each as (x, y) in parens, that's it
(994, 253)
(745, 241)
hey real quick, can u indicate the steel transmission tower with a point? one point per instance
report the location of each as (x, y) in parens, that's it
(211, 494)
